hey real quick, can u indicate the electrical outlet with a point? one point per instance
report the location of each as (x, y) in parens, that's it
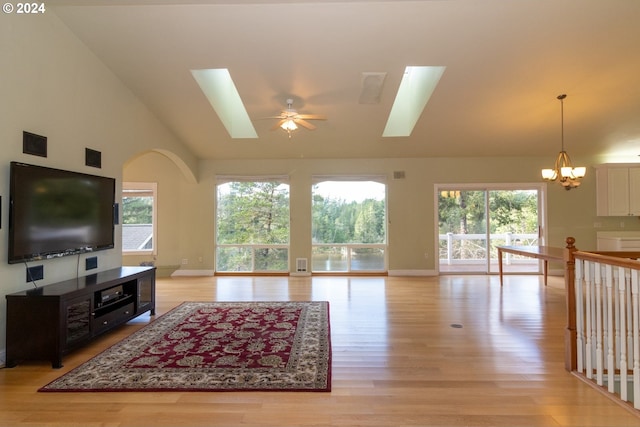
(35, 273)
(185, 261)
(91, 263)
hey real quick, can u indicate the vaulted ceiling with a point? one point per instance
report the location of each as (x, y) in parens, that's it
(506, 62)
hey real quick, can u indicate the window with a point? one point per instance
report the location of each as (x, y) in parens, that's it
(139, 217)
(349, 224)
(252, 224)
(474, 219)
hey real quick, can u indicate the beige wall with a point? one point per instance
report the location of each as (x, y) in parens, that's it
(411, 227)
(179, 204)
(52, 85)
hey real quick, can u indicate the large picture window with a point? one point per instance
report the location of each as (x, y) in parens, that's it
(349, 224)
(139, 218)
(252, 224)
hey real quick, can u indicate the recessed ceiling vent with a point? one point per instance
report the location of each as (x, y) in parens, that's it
(371, 87)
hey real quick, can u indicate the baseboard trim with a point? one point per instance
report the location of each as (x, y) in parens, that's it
(419, 273)
(192, 273)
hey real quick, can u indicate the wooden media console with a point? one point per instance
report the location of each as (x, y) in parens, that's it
(46, 323)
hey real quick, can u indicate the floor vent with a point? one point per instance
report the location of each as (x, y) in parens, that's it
(301, 265)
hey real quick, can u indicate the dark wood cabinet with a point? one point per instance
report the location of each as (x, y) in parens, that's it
(46, 323)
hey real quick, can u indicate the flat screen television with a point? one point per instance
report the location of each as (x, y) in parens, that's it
(54, 213)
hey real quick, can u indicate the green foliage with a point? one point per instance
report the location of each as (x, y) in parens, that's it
(253, 213)
(137, 210)
(513, 211)
(339, 221)
(463, 212)
(258, 213)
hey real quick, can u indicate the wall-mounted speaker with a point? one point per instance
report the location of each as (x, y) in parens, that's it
(34, 144)
(116, 213)
(92, 158)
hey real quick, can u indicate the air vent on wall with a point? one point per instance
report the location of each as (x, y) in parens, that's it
(301, 265)
(371, 87)
(398, 175)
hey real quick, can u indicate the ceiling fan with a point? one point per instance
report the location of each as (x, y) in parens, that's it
(289, 119)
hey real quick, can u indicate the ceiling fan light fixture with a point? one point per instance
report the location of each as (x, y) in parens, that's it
(289, 120)
(289, 125)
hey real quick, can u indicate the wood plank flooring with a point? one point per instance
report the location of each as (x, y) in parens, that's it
(439, 351)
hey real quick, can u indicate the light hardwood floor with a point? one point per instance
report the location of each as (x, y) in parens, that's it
(440, 351)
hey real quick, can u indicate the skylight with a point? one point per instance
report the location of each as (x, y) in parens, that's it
(218, 87)
(416, 87)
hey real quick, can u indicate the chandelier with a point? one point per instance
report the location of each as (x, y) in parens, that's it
(563, 170)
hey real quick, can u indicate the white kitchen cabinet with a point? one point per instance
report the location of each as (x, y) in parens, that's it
(618, 240)
(618, 189)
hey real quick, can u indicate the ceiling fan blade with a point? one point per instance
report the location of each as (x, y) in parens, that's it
(311, 117)
(304, 123)
(277, 125)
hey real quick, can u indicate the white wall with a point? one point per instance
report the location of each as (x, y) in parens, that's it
(52, 85)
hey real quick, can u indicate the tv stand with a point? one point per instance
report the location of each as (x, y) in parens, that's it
(48, 322)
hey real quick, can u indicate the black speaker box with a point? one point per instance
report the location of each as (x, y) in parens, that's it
(92, 158)
(34, 144)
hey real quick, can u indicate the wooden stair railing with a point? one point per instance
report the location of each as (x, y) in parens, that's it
(570, 337)
(602, 337)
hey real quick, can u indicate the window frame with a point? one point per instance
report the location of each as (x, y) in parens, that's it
(253, 247)
(131, 189)
(350, 247)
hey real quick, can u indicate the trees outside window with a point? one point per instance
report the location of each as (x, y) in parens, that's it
(139, 217)
(348, 226)
(473, 221)
(252, 226)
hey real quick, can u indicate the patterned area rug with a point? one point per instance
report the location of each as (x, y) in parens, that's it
(221, 346)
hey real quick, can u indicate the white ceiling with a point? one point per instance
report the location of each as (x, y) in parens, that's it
(506, 63)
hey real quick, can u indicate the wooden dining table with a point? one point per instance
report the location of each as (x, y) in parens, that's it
(545, 253)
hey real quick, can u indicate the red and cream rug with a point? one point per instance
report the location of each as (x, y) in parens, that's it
(216, 346)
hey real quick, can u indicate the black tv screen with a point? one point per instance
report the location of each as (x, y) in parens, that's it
(54, 212)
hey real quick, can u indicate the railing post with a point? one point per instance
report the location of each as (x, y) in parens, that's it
(449, 248)
(570, 344)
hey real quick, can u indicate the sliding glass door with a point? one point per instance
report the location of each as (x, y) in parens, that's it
(473, 220)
